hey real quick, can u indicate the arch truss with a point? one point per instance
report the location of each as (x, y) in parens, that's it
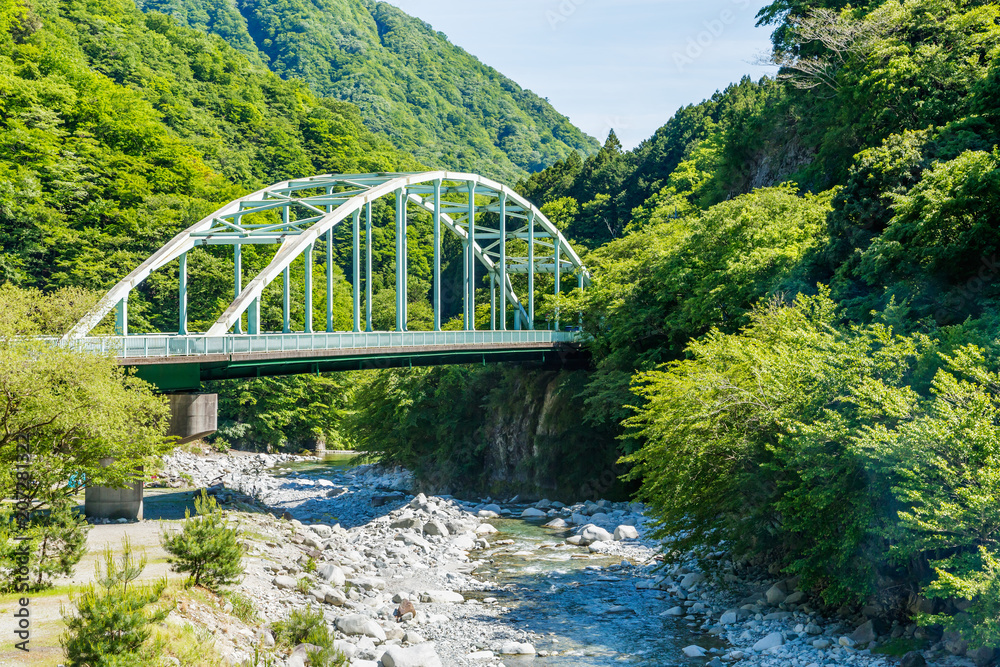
(517, 239)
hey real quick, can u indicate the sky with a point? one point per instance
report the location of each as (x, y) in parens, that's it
(621, 64)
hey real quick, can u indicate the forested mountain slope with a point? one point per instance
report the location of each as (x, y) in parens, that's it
(431, 98)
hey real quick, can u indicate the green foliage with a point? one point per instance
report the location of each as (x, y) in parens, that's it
(110, 624)
(430, 98)
(309, 626)
(71, 409)
(206, 547)
(56, 541)
(243, 607)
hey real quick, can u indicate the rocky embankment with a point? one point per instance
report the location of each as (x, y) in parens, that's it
(394, 574)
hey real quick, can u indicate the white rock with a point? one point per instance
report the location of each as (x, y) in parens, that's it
(673, 611)
(332, 574)
(466, 542)
(435, 528)
(556, 523)
(694, 651)
(422, 655)
(485, 529)
(691, 579)
(769, 641)
(532, 513)
(626, 533)
(516, 648)
(480, 655)
(441, 596)
(283, 581)
(592, 533)
(356, 624)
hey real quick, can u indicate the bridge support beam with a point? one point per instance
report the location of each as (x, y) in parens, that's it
(192, 416)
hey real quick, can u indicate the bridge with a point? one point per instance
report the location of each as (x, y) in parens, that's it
(504, 240)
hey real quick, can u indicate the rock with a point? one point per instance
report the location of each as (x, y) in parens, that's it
(865, 633)
(492, 508)
(418, 501)
(673, 611)
(579, 519)
(356, 624)
(485, 529)
(516, 648)
(295, 661)
(543, 504)
(626, 533)
(795, 598)
(441, 596)
(532, 513)
(404, 612)
(733, 616)
(575, 540)
(556, 523)
(345, 647)
(691, 579)
(769, 641)
(435, 528)
(334, 597)
(913, 659)
(407, 523)
(284, 582)
(694, 651)
(421, 655)
(480, 655)
(464, 542)
(592, 533)
(778, 616)
(983, 656)
(412, 637)
(332, 574)
(847, 641)
(814, 629)
(776, 594)
(821, 644)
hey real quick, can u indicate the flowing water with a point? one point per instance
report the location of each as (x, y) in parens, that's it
(583, 605)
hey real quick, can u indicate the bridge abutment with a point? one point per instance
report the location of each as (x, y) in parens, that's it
(192, 416)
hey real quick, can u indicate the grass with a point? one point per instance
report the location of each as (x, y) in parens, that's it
(243, 607)
(901, 646)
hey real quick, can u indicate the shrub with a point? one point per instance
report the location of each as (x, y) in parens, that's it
(57, 540)
(309, 626)
(112, 620)
(243, 607)
(206, 547)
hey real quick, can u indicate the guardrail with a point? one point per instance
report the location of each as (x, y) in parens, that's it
(141, 346)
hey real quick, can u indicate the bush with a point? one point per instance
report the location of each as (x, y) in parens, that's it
(243, 607)
(57, 540)
(206, 547)
(308, 626)
(112, 620)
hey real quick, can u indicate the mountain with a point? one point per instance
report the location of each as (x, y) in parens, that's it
(428, 96)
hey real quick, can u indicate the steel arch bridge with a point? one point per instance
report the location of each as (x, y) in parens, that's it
(519, 240)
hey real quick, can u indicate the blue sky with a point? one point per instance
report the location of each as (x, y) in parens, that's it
(626, 64)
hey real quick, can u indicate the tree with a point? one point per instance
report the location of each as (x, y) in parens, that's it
(70, 409)
(206, 547)
(110, 622)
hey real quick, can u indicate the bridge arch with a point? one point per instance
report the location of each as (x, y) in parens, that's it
(311, 208)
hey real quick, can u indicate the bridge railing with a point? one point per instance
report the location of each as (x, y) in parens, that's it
(157, 345)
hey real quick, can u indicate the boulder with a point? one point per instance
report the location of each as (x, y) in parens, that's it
(913, 659)
(407, 523)
(334, 597)
(517, 648)
(624, 532)
(421, 655)
(592, 533)
(690, 579)
(865, 633)
(485, 529)
(435, 528)
(776, 594)
(733, 616)
(284, 581)
(984, 656)
(332, 574)
(694, 651)
(532, 513)
(769, 641)
(795, 598)
(404, 612)
(556, 523)
(356, 624)
(441, 597)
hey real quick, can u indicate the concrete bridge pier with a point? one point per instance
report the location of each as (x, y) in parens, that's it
(192, 416)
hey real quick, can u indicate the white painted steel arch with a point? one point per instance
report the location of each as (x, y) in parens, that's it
(296, 237)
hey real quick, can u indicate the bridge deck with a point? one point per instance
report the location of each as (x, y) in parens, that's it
(181, 363)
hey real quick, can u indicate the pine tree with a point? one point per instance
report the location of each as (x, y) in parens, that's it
(112, 619)
(206, 547)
